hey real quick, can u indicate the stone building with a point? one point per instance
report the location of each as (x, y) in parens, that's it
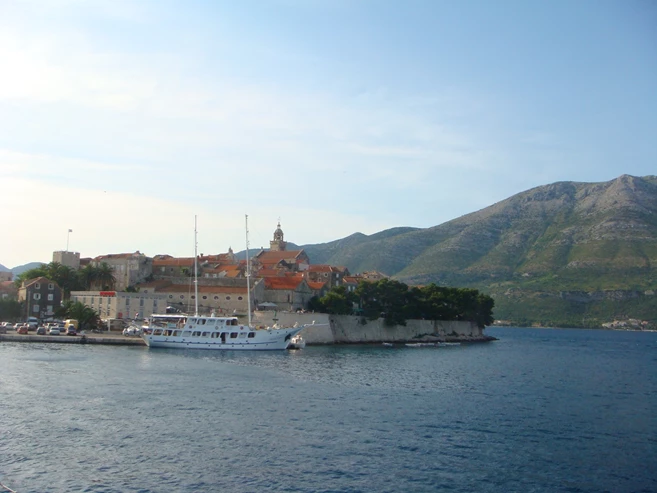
(119, 304)
(129, 269)
(222, 296)
(40, 297)
(328, 274)
(69, 259)
(290, 293)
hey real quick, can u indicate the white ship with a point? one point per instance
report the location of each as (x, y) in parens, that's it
(222, 333)
(197, 332)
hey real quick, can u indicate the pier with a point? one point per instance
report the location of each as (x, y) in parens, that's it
(103, 338)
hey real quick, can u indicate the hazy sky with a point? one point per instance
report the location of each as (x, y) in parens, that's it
(122, 120)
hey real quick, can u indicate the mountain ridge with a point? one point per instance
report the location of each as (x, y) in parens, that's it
(560, 237)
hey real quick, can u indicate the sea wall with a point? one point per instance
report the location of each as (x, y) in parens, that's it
(347, 329)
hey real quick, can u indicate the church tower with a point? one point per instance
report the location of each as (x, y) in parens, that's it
(277, 244)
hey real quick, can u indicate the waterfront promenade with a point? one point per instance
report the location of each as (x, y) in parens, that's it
(108, 338)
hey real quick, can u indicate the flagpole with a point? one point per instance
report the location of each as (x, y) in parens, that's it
(67, 236)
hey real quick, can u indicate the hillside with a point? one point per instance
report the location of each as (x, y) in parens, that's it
(561, 254)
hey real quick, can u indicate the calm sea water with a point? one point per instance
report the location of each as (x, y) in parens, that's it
(536, 411)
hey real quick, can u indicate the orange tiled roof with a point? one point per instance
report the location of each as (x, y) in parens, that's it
(274, 257)
(117, 255)
(8, 287)
(174, 262)
(321, 268)
(159, 284)
(286, 283)
(265, 272)
(219, 257)
(181, 288)
(39, 279)
(352, 279)
(316, 286)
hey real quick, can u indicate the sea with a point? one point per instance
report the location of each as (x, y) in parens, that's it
(538, 410)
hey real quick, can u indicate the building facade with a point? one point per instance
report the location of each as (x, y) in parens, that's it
(69, 259)
(122, 305)
(129, 269)
(40, 297)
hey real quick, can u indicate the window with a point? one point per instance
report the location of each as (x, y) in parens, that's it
(205, 334)
(141, 301)
(127, 302)
(242, 335)
(193, 297)
(240, 298)
(37, 296)
(51, 286)
(205, 297)
(35, 308)
(182, 296)
(251, 335)
(49, 310)
(233, 335)
(170, 296)
(51, 296)
(196, 333)
(227, 297)
(186, 333)
(216, 297)
(37, 286)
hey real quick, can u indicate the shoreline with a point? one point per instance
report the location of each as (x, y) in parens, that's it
(121, 340)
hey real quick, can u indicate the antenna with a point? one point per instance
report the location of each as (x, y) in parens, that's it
(195, 271)
(248, 270)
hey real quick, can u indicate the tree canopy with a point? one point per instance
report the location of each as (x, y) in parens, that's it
(395, 303)
(69, 279)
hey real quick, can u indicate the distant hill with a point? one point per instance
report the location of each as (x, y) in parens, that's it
(567, 253)
(22, 268)
(3, 268)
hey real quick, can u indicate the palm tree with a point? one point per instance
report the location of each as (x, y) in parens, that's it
(88, 275)
(106, 277)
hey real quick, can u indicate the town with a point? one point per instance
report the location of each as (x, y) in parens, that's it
(135, 286)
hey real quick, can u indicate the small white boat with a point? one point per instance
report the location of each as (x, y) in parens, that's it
(297, 342)
(388, 344)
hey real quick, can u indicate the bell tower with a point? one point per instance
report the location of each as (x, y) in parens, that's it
(277, 244)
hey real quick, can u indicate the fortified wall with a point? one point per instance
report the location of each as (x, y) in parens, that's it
(348, 329)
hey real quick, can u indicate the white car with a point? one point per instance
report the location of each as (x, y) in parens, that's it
(132, 331)
(54, 331)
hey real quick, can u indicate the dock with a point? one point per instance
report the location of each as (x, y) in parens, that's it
(107, 339)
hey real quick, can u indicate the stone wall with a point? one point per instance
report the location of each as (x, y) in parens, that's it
(346, 329)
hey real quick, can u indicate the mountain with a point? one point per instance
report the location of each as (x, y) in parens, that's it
(4, 269)
(568, 254)
(22, 268)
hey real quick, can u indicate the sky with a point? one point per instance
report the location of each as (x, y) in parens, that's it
(127, 121)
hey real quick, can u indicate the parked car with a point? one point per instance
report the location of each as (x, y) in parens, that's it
(41, 331)
(54, 331)
(22, 329)
(71, 331)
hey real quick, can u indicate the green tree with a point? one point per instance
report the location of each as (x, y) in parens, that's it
(87, 317)
(338, 301)
(66, 277)
(10, 310)
(106, 277)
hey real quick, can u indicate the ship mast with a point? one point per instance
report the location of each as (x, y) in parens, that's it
(248, 271)
(195, 271)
